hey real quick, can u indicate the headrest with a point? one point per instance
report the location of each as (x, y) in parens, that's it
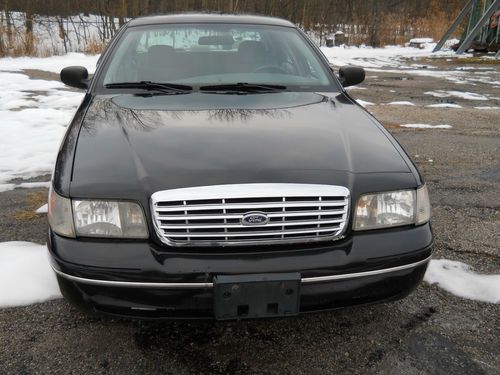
(251, 48)
(160, 52)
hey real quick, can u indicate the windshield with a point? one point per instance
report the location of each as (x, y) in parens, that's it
(216, 54)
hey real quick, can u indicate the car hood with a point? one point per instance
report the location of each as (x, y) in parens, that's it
(131, 144)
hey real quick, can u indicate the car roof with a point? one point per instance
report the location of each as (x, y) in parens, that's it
(209, 18)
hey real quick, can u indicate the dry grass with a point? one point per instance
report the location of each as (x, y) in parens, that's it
(24, 44)
(34, 200)
(94, 47)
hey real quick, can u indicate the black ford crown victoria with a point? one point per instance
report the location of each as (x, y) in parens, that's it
(217, 168)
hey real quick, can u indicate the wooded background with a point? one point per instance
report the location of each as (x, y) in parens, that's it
(372, 22)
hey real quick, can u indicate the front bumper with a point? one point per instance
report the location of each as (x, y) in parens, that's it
(139, 279)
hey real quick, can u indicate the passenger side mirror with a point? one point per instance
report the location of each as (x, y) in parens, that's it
(75, 76)
(351, 75)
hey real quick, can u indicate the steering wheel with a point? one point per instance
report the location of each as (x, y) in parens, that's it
(270, 69)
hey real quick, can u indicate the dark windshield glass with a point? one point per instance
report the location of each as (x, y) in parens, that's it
(215, 54)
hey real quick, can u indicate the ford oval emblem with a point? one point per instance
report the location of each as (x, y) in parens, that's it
(254, 218)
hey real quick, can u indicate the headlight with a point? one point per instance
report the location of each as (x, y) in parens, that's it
(99, 218)
(59, 214)
(392, 209)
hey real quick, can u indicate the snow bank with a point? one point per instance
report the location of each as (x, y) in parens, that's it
(25, 274)
(34, 114)
(402, 60)
(50, 64)
(426, 126)
(369, 57)
(459, 279)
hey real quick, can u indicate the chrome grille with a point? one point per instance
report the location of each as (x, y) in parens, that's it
(212, 215)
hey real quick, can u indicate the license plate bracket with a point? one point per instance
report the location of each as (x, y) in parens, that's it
(256, 295)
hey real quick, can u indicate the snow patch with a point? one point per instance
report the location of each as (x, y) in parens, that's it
(364, 103)
(486, 107)
(32, 185)
(458, 278)
(421, 40)
(369, 57)
(34, 114)
(426, 126)
(7, 187)
(50, 64)
(458, 94)
(43, 210)
(24, 185)
(444, 105)
(25, 274)
(401, 103)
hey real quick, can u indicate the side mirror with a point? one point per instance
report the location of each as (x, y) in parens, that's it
(75, 76)
(351, 75)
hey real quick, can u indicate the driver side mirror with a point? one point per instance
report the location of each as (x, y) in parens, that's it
(75, 76)
(351, 75)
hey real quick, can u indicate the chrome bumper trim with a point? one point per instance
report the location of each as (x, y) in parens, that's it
(320, 279)
(305, 280)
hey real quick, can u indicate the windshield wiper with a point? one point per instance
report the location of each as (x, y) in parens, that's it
(167, 88)
(243, 87)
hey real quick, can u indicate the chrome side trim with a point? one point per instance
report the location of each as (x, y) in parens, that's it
(305, 280)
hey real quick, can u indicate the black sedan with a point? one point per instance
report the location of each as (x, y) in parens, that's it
(217, 168)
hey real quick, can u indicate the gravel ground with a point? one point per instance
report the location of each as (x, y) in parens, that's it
(431, 331)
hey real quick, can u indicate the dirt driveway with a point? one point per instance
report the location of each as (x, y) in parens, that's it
(430, 331)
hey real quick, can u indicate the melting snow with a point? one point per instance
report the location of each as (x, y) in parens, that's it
(459, 278)
(401, 103)
(458, 94)
(25, 274)
(426, 126)
(6, 187)
(369, 57)
(421, 40)
(364, 103)
(444, 105)
(487, 107)
(43, 209)
(34, 114)
(24, 185)
(50, 64)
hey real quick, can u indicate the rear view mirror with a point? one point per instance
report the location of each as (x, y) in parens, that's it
(75, 76)
(351, 75)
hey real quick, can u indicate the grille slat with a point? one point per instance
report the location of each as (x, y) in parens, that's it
(238, 216)
(311, 231)
(270, 224)
(251, 206)
(212, 215)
